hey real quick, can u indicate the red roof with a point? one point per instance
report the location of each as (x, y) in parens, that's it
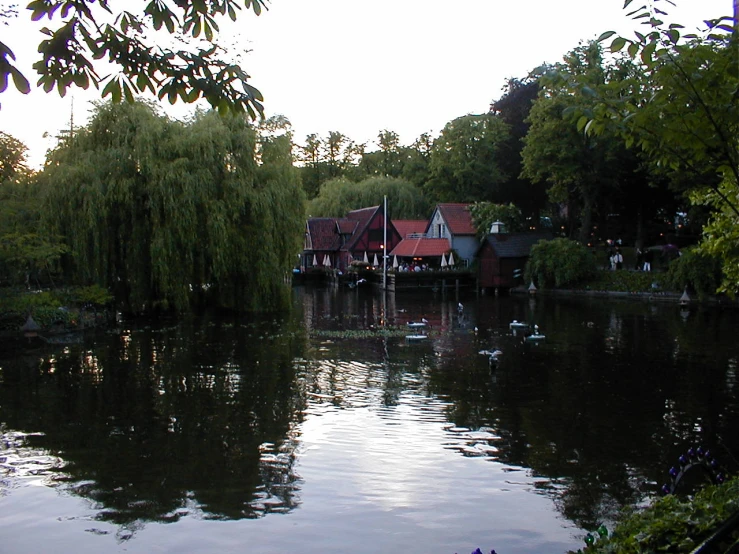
(421, 248)
(407, 226)
(458, 218)
(347, 226)
(323, 233)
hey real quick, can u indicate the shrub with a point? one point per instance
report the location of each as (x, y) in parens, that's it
(672, 524)
(559, 262)
(627, 281)
(699, 271)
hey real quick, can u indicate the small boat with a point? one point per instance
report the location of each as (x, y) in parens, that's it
(415, 338)
(417, 324)
(515, 324)
(535, 336)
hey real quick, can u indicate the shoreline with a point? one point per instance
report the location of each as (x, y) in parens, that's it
(665, 297)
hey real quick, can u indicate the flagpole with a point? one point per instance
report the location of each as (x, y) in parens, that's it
(384, 250)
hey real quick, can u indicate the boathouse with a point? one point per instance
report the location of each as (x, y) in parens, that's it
(502, 254)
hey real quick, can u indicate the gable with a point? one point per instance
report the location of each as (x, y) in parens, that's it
(457, 218)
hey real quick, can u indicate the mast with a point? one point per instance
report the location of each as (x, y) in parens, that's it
(384, 247)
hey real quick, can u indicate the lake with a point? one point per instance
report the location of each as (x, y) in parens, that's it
(324, 430)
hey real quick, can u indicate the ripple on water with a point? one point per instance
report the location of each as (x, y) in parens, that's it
(24, 463)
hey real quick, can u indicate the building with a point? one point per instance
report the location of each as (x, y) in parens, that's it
(336, 242)
(454, 223)
(501, 255)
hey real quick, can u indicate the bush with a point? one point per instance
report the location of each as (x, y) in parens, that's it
(560, 262)
(627, 281)
(699, 271)
(672, 524)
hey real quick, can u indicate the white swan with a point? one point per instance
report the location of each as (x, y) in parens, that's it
(536, 335)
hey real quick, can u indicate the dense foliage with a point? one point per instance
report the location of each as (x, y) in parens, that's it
(339, 196)
(59, 306)
(484, 214)
(27, 255)
(157, 210)
(465, 163)
(677, 102)
(559, 262)
(129, 42)
(673, 524)
(695, 270)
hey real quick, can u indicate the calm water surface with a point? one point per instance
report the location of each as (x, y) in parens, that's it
(310, 433)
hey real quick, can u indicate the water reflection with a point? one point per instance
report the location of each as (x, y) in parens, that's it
(155, 424)
(233, 420)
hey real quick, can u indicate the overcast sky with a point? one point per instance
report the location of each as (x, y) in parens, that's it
(361, 66)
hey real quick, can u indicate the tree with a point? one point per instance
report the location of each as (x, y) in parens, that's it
(310, 156)
(416, 160)
(484, 214)
(581, 169)
(465, 163)
(682, 110)
(132, 45)
(514, 107)
(25, 251)
(12, 158)
(163, 212)
(339, 196)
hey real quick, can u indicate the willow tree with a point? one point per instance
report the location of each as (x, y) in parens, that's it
(161, 211)
(339, 196)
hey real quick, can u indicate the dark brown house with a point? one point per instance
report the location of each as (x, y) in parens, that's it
(503, 253)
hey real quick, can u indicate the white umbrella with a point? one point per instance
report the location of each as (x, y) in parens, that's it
(315, 260)
(366, 260)
(375, 262)
(443, 260)
(327, 261)
(451, 258)
(395, 262)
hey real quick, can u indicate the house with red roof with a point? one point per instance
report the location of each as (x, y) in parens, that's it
(369, 235)
(454, 222)
(323, 241)
(336, 242)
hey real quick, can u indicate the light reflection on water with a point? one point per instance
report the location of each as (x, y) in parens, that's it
(272, 437)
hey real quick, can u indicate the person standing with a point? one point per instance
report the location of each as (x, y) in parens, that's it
(648, 256)
(618, 258)
(639, 259)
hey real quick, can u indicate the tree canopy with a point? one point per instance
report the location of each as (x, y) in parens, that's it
(130, 41)
(682, 110)
(161, 211)
(465, 163)
(484, 214)
(339, 196)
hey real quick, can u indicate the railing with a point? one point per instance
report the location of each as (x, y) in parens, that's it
(416, 236)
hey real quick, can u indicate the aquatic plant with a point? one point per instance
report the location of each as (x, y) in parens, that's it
(363, 333)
